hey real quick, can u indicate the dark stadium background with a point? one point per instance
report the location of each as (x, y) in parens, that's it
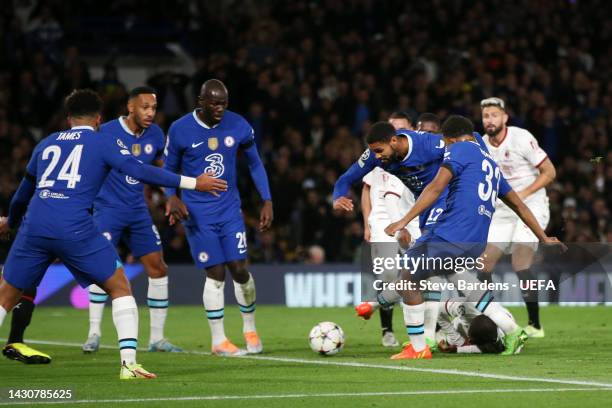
(310, 77)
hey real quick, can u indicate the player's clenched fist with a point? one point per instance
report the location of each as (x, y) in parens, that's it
(205, 182)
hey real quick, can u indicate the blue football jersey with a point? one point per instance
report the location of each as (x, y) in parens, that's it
(421, 164)
(70, 167)
(472, 192)
(416, 170)
(194, 148)
(120, 190)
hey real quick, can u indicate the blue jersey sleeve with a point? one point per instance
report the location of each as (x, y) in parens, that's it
(116, 155)
(160, 144)
(172, 153)
(455, 158)
(31, 168)
(21, 198)
(423, 147)
(256, 167)
(355, 173)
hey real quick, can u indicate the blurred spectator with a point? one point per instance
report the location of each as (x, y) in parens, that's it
(312, 76)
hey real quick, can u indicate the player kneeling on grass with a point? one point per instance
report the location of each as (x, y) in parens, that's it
(463, 329)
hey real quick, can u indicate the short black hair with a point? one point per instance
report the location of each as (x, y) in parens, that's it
(83, 102)
(457, 125)
(380, 132)
(483, 333)
(401, 115)
(429, 117)
(139, 90)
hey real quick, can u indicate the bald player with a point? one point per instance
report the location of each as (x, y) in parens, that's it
(208, 140)
(429, 122)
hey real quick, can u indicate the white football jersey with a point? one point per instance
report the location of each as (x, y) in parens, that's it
(518, 157)
(382, 183)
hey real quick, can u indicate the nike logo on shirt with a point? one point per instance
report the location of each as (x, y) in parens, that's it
(194, 145)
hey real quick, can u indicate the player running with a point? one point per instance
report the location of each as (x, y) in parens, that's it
(62, 180)
(383, 200)
(528, 170)
(121, 213)
(208, 140)
(474, 182)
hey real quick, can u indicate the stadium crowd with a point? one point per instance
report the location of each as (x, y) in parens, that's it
(312, 76)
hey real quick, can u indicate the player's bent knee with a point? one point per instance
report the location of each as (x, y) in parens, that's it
(216, 272)
(9, 295)
(239, 271)
(117, 285)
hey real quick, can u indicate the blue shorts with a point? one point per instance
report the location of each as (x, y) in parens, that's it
(135, 228)
(90, 260)
(217, 243)
(452, 255)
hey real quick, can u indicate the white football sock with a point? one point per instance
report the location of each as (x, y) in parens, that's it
(500, 317)
(414, 317)
(3, 314)
(97, 299)
(482, 300)
(214, 302)
(125, 317)
(157, 299)
(431, 310)
(245, 296)
(432, 307)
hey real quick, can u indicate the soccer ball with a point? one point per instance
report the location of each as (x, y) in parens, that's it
(326, 338)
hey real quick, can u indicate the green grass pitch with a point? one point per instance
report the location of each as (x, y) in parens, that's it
(571, 367)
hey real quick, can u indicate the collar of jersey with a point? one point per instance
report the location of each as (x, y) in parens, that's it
(199, 122)
(409, 145)
(81, 127)
(127, 129)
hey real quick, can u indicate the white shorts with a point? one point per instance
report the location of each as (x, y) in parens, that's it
(508, 229)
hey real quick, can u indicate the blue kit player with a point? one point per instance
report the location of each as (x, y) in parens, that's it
(62, 179)
(208, 140)
(412, 156)
(121, 213)
(473, 181)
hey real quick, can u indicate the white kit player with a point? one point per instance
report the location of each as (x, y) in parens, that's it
(528, 170)
(384, 199)
(463, 329)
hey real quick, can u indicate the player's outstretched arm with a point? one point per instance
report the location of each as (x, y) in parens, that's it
(363, 166)
(429, 196)
(512, 200)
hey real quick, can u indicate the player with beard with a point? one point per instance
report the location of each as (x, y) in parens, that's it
(528, 170)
